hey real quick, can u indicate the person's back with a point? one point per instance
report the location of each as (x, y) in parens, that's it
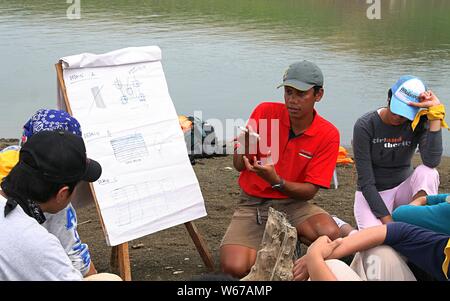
(64, 223)
(50, 165)
(29, 252)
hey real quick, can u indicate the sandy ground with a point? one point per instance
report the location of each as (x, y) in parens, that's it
(171, 254)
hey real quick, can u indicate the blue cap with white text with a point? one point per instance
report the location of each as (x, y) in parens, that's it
(407, 89)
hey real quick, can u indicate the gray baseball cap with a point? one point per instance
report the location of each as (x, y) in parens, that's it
(302, 76)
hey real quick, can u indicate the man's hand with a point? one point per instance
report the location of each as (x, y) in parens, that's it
(247, 142)
(427, 100)
(246, 145)
(265, 169)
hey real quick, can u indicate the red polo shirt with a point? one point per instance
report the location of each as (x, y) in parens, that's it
(308, 158)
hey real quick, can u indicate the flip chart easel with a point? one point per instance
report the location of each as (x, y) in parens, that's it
(119, 254)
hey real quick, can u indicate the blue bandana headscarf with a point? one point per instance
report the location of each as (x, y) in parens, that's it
(50, 120)
(42, 120)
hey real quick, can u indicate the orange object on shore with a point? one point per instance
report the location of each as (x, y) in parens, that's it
(185, 123)
(343, 156)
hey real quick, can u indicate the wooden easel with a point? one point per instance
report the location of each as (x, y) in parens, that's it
(120, 259)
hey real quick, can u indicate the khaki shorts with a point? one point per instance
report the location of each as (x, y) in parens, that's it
(244, 228)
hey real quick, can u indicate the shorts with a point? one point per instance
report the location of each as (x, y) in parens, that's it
(244, 228)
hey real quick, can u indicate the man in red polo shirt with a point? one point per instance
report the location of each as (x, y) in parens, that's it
(286, 154)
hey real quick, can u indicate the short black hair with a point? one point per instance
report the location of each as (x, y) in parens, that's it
(24, 185)
(317, 89)
(389, 96)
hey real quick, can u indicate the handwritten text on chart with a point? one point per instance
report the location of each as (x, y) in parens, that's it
(78, 77)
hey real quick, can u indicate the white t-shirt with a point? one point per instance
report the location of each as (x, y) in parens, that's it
(29, 252)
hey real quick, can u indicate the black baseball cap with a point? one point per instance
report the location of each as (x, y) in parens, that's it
(59, 157)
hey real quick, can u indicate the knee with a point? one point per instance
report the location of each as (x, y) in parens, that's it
(234, 261)
(330, 229)
(234, 268)
(427, 172)
(319, 226)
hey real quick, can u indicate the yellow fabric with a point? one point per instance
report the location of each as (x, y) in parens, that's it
(8, 160)
(433, 113)
(447, 259)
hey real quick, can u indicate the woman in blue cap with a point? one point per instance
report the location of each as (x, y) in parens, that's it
(384, 142)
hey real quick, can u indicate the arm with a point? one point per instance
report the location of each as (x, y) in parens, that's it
(436, 199)
(245, 146)
(315, 258)
(360, 241)
(430, 142)
(298, 191)
(430, 146)
(247, 143)
(238, 161)
(366, 178)
(318, 173)
(433, 217)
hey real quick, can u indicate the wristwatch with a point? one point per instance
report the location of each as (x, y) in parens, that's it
(280, 185)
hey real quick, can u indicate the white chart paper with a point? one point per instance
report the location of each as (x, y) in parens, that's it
(130, 126)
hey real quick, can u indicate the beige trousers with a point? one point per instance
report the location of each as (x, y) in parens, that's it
(381, 263)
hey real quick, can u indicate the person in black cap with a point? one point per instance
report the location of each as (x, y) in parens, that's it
(64, 224)
(286, 153)
(50, 165)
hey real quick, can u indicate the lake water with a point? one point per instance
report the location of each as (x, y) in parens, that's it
(223, 57)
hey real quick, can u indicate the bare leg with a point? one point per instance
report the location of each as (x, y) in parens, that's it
(316, 226)
(236, 260)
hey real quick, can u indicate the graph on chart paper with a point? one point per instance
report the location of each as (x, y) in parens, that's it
(129, 148)
(139, 201)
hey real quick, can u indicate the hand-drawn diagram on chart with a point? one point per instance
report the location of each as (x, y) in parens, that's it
(129, 149)
(130, 90)
(98, 99)
(138, 201)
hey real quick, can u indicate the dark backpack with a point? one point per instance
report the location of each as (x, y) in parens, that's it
(201, 140)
